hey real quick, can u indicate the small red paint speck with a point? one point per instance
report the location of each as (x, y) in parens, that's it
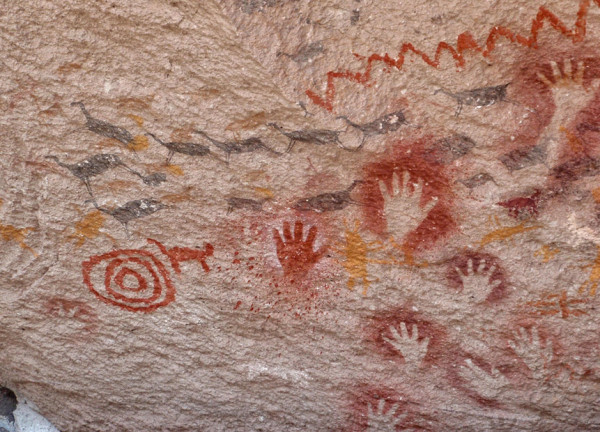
(237, 305)
(236, 261)
(251, 307)
(250, 267)
(236, 253)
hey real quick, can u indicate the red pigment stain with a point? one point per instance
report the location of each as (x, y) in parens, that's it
(410, 156)
(72, 309)
(379, 327)
(461, 262)
(529, 91)
(522, 207)
(465, 42)
(237, 305)
(288, 279)
(586, 125)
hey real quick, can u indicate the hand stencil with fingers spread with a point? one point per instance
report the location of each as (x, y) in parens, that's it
(410, 347)
(530, 350)
(477, 285)
(569, 96)
(402, 208)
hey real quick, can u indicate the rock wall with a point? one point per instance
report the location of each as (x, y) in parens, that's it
(267, 215)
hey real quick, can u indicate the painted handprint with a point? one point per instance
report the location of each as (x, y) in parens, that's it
(569, 96)
(487, 385)
(402, 208)
(296, 255)
(410, 347)
(378, 421)
(478, 285)
(530, 350)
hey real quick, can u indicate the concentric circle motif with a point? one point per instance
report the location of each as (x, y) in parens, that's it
(131, 279)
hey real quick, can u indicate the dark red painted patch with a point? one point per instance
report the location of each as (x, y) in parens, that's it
(72, 309)
(379, 326)
(522, 207)
(410, 156)
(461, 262)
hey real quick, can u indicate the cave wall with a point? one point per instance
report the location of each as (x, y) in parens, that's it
(271, 215)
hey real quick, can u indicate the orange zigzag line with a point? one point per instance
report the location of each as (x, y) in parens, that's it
(465, 42)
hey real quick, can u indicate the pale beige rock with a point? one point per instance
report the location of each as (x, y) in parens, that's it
(241, 347)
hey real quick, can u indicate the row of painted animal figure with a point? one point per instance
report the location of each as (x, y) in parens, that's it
(101, 163)
(382, 125)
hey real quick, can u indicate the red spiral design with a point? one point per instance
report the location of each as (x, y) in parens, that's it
(134, 280)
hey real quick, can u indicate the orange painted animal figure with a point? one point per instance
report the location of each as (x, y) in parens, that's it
(505, 233)
(12, 233)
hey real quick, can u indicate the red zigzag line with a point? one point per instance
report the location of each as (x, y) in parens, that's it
(465, 42)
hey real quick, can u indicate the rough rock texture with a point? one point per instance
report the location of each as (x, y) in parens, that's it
(301, 215)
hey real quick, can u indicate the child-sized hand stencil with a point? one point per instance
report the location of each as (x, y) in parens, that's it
(478, 285)
(410, 347)
(295, 254)
(402, 208)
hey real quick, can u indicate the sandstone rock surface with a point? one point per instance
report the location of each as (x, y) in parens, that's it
(298, 215)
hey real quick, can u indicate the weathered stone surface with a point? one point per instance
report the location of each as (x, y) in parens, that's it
(295, 215)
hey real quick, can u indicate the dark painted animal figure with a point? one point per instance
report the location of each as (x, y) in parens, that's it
(522, 207)
(478, 180)
(388, 123)
(186, 148)
(313, 136)
(329, 201)
(247, 145)
(244, 203)
(104, 128)
(574, 169)
(479, 97)
(99, 164)
(523, 157)
(448, 149)
(132, 210)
